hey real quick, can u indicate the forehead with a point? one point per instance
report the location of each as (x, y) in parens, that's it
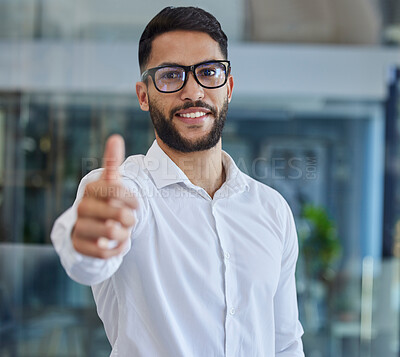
(183, 47)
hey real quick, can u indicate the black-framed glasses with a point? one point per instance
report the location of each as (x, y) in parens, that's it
(172, 78)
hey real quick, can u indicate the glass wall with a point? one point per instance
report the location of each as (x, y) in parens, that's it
(318, 159)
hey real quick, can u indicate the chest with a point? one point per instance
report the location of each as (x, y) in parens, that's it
(187, 238)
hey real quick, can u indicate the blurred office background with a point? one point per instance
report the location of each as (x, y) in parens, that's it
(314, 115)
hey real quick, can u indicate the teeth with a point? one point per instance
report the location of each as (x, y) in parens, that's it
(193, 115)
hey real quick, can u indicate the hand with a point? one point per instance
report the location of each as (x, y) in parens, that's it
(105, 213)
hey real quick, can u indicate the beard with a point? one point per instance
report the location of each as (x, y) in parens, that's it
(168, 133)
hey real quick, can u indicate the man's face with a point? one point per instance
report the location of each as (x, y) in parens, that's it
(170, 112)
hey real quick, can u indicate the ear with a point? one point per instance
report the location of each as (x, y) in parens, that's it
(229, 87)
(141, 92)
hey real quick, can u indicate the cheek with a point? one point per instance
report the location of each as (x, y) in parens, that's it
(164, 103)
(222, 99)
(216, 97)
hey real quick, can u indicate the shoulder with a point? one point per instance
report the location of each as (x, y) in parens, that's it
(265, 193)
(269, 202)
(133, 167)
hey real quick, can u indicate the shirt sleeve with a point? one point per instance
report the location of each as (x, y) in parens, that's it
(83, 269)
(288, 329)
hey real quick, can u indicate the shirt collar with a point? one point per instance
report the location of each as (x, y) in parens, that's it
(165, 172)
(235, 180)
(161, 168)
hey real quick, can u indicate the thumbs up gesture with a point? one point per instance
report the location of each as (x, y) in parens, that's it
(105, 213)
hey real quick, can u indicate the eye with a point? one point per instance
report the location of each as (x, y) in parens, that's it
(170, 75)
(208, 72)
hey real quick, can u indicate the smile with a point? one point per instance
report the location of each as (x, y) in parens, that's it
(192, 115)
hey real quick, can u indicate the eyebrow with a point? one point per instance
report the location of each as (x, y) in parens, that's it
(177, 64)
(169, 64)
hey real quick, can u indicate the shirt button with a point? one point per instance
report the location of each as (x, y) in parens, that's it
(232, 311)
(227, 255)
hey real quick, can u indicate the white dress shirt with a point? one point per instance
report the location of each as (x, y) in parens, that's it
(201, 276)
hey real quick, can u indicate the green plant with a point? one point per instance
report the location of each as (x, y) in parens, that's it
(319, 244)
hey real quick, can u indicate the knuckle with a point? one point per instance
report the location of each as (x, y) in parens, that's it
(81, 207)
(124, 214)
(120, 214)
(77, 229)
(110, 231)
(129, 218)
(75, 243)
(78, 246)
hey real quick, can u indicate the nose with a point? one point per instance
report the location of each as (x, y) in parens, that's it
(192, 90)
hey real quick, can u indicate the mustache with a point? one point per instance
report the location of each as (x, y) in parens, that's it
(197, 104)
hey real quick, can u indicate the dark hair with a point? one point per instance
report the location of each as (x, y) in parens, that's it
(180, 18)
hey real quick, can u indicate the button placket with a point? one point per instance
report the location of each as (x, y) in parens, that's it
(218, 207)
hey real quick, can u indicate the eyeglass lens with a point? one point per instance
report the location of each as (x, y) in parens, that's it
(210, 75)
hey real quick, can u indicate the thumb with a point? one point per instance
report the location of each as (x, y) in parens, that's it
(114, 155)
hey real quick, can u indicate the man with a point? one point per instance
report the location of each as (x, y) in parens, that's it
(186, 255)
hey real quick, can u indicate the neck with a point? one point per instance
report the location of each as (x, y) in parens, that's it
(203, 168)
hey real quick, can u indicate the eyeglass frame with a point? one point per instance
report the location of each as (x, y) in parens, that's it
(151, 72)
